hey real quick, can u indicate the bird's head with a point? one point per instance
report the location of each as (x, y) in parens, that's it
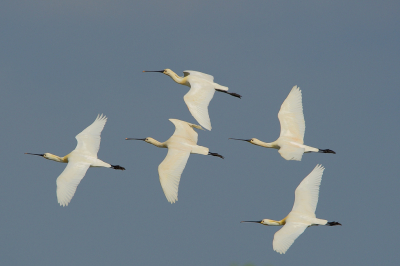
(169, 72)
(267, 222)
(150, 140)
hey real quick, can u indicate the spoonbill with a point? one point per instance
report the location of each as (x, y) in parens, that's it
(202, 88)
(180, 145)
(290, 142)
(79, 160)
(302, 214)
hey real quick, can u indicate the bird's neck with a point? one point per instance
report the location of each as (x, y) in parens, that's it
(176, 78)
(265, 144)
(156, 143)
(273, 222)
(56, 158)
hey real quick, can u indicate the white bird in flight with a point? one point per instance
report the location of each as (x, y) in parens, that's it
(79, 160)
(302, 214)
(290, 142)
(202, 89)
(180, 145)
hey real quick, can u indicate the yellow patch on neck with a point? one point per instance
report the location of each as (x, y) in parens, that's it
(65, 158)
(283, 221)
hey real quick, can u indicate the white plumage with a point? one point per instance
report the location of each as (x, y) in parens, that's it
(286, 236)
(202, 89)
(170, 171)
(79, 160)
(180, 145)
(290, 143)
(197, 100)
(302, 214)
(69, 180)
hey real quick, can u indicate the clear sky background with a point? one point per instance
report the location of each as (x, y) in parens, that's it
(64, 62)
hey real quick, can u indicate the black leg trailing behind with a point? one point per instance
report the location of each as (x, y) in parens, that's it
(117, 167)
(215, 154)
(333, 223)
(327, 151)
(231, 93)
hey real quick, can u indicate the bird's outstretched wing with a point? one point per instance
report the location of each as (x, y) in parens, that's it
(89, 138)
(185, 130)
(197, 100)
(69, 180)
(198, 74)
(291, 152)
(291, 116)
(306, 194)
(285, 237)
(170, 171)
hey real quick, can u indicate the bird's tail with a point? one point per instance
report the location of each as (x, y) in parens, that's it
(220, 87)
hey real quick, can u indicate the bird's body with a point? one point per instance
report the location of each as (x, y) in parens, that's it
(180, 145)
(79, 160)
(291, 140)
(202, 89)
(302, 214)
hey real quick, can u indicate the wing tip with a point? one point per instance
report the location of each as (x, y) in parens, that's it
(295, 87)
(206, 125)
(280, 251)
(63, 204)
(101, 117)
(319, 167)
(171, 199)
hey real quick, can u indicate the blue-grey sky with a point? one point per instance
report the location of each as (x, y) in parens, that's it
(64, 62)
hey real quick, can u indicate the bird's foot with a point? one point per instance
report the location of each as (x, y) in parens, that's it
(333, 223)
(327, 151)
(230, 93)
(235, 95)
(215, 154)
(117, 167)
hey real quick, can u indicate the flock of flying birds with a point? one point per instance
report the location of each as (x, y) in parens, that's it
(184, 142)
